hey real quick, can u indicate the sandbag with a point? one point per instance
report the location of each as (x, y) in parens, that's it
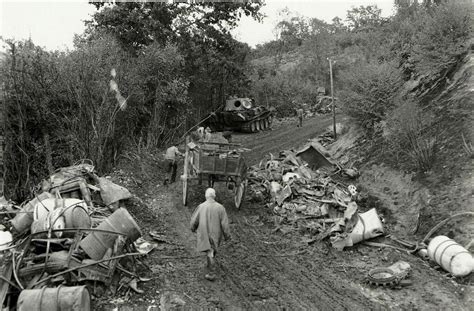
(368, 226)
(111, 192)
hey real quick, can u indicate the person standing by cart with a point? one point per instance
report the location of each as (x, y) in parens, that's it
(207, 134)
(171, 163)
(211, 224)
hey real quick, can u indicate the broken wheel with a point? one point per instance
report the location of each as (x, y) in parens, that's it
(391, 276)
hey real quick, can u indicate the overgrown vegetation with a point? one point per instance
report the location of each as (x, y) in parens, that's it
(369, 92)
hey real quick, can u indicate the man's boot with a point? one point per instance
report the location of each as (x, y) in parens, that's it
(211, 264)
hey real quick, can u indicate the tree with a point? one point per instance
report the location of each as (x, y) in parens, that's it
(214, 61)
(364, 18)
(137, 24)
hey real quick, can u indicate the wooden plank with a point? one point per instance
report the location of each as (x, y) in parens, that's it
(223, 173)
(218, 144)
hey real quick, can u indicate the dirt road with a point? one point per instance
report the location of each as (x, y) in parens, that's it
(283, 136)
(261, 268)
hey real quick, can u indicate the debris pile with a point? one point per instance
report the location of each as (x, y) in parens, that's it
(73, 237)
(301, 189)
(312, 194)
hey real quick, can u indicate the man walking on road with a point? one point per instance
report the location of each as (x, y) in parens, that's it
(171, 163)
(210, 222)
(299, 113)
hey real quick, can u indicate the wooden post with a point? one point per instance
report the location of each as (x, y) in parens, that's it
(332, 100)
(3, 101)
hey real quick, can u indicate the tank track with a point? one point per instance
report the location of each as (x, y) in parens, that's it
(257, 125)
(393, 280)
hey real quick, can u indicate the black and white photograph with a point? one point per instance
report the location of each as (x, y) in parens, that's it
(236, 155)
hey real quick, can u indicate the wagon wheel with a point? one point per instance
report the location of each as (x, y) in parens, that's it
(186, 174)
(185, 191)
(239, 193)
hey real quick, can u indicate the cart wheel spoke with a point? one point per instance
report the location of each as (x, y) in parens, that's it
(186, 170)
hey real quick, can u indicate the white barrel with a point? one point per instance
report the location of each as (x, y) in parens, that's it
(42, 208)
(451, 256)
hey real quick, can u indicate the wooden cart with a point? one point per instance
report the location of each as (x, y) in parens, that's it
(213, 162)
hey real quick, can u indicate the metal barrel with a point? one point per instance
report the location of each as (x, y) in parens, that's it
(23, 220)
(75, 298)
(95, 244)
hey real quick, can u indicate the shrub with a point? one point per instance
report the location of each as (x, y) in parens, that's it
(429, 39)
(444, 31)
(369, 92)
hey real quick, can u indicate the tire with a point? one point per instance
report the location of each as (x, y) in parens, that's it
(240, 194)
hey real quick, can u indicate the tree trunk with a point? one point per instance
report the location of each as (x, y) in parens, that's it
(48, 153)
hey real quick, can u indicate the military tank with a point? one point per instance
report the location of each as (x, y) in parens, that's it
(240, 114)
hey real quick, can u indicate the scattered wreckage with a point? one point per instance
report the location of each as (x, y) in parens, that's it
(300, 188)
(309, 192)
(73, 239)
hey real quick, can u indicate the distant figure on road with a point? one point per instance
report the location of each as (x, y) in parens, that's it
(210, 222)
(171, 163)
(300, 113)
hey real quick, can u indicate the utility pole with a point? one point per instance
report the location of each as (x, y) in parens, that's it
(332, 100)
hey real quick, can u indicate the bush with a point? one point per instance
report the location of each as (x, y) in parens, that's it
(442, 38)
(59, 107)
(411, 134)
(369, 92)
(428, 40)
